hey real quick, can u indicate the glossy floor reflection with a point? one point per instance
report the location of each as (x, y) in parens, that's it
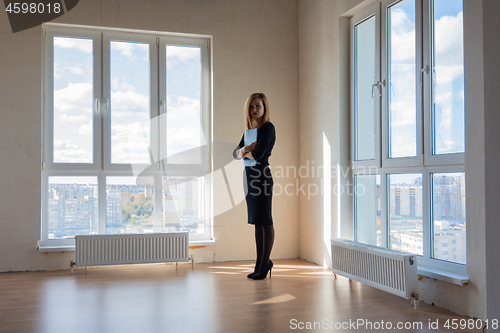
(213, 297)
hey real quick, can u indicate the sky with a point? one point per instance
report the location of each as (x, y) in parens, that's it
(130, 100)
(448, 76)
(403, 77)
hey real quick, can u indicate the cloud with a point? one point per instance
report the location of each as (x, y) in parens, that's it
(177, 54)
(184, 130)
(76, 70)
(120, 84)
(127, 104)
(401, 87)
(130, 142)
(446, 73)
(130, 49)
(449, 40)
(65, 118)
(402, 37)
(73, 112)
(86, 130)
(66, 151)
(183, 53)
(403, 112)
(84, 45)
(76, 97)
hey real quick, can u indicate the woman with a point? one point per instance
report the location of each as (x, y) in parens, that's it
(255, 147)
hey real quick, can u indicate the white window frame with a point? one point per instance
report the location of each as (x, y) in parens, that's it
(425, 162)
(399, 161)
(188, 169)
(106, 101)
(48, 53)
(372, 11)
(102, 166)
(430, 158)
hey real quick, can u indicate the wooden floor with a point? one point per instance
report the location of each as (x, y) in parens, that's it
(207, 298)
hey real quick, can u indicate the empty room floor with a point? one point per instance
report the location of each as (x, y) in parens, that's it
(209, 297)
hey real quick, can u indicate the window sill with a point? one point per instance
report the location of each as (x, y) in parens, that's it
(438, 274)
(53, 248)
(71, 248)
(202, 242)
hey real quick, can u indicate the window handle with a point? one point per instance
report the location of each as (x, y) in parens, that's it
(162, 107)
(378, 84)
(423, 71)
(107, 105)
(373, 87)
(97, 105)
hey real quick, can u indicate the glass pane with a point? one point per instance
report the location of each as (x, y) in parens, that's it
(367, 209)
(448, 116)
(405, 221)
(73, 96)
(184, 204)
(364, 78)
(129, 205)
(72, 206)
(184, 130)
(448, 214)
(130, 102)
(402, 102)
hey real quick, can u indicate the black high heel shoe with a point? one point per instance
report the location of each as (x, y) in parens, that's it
(263, 276)
(251, 275)
(255, 270)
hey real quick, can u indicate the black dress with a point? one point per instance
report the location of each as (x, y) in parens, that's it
(258, 179)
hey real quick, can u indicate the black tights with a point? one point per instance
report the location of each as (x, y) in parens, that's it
(264, 240)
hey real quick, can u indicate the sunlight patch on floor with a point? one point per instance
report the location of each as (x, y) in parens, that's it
(277, 299)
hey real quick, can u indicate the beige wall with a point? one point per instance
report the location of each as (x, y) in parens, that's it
(324, 111)
(322, 126)
(255, 48)
(491, 54)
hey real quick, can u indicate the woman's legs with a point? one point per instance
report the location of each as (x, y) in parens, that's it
(259, 244)
(268, 245)
(268, 242)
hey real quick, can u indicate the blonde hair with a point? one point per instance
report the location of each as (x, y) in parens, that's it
(246, 110)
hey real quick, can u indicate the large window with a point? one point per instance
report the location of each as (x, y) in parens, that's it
(408, 142)
(126, 133)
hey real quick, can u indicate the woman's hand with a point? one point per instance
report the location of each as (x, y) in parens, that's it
(251, 147)
(249, 155)
(246, 151)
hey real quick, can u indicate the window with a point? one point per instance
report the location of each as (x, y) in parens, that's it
(407, 129)
(126, 137)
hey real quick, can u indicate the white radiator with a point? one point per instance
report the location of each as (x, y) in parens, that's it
(95, 250)
(388, 270)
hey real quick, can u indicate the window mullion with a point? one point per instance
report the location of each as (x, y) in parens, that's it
(426, 76)
(100, 138)
(105, 103)
(419, 40)
(426, 215)
(384, 208)
(101, 205)
(158, 196)
(162, 96)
